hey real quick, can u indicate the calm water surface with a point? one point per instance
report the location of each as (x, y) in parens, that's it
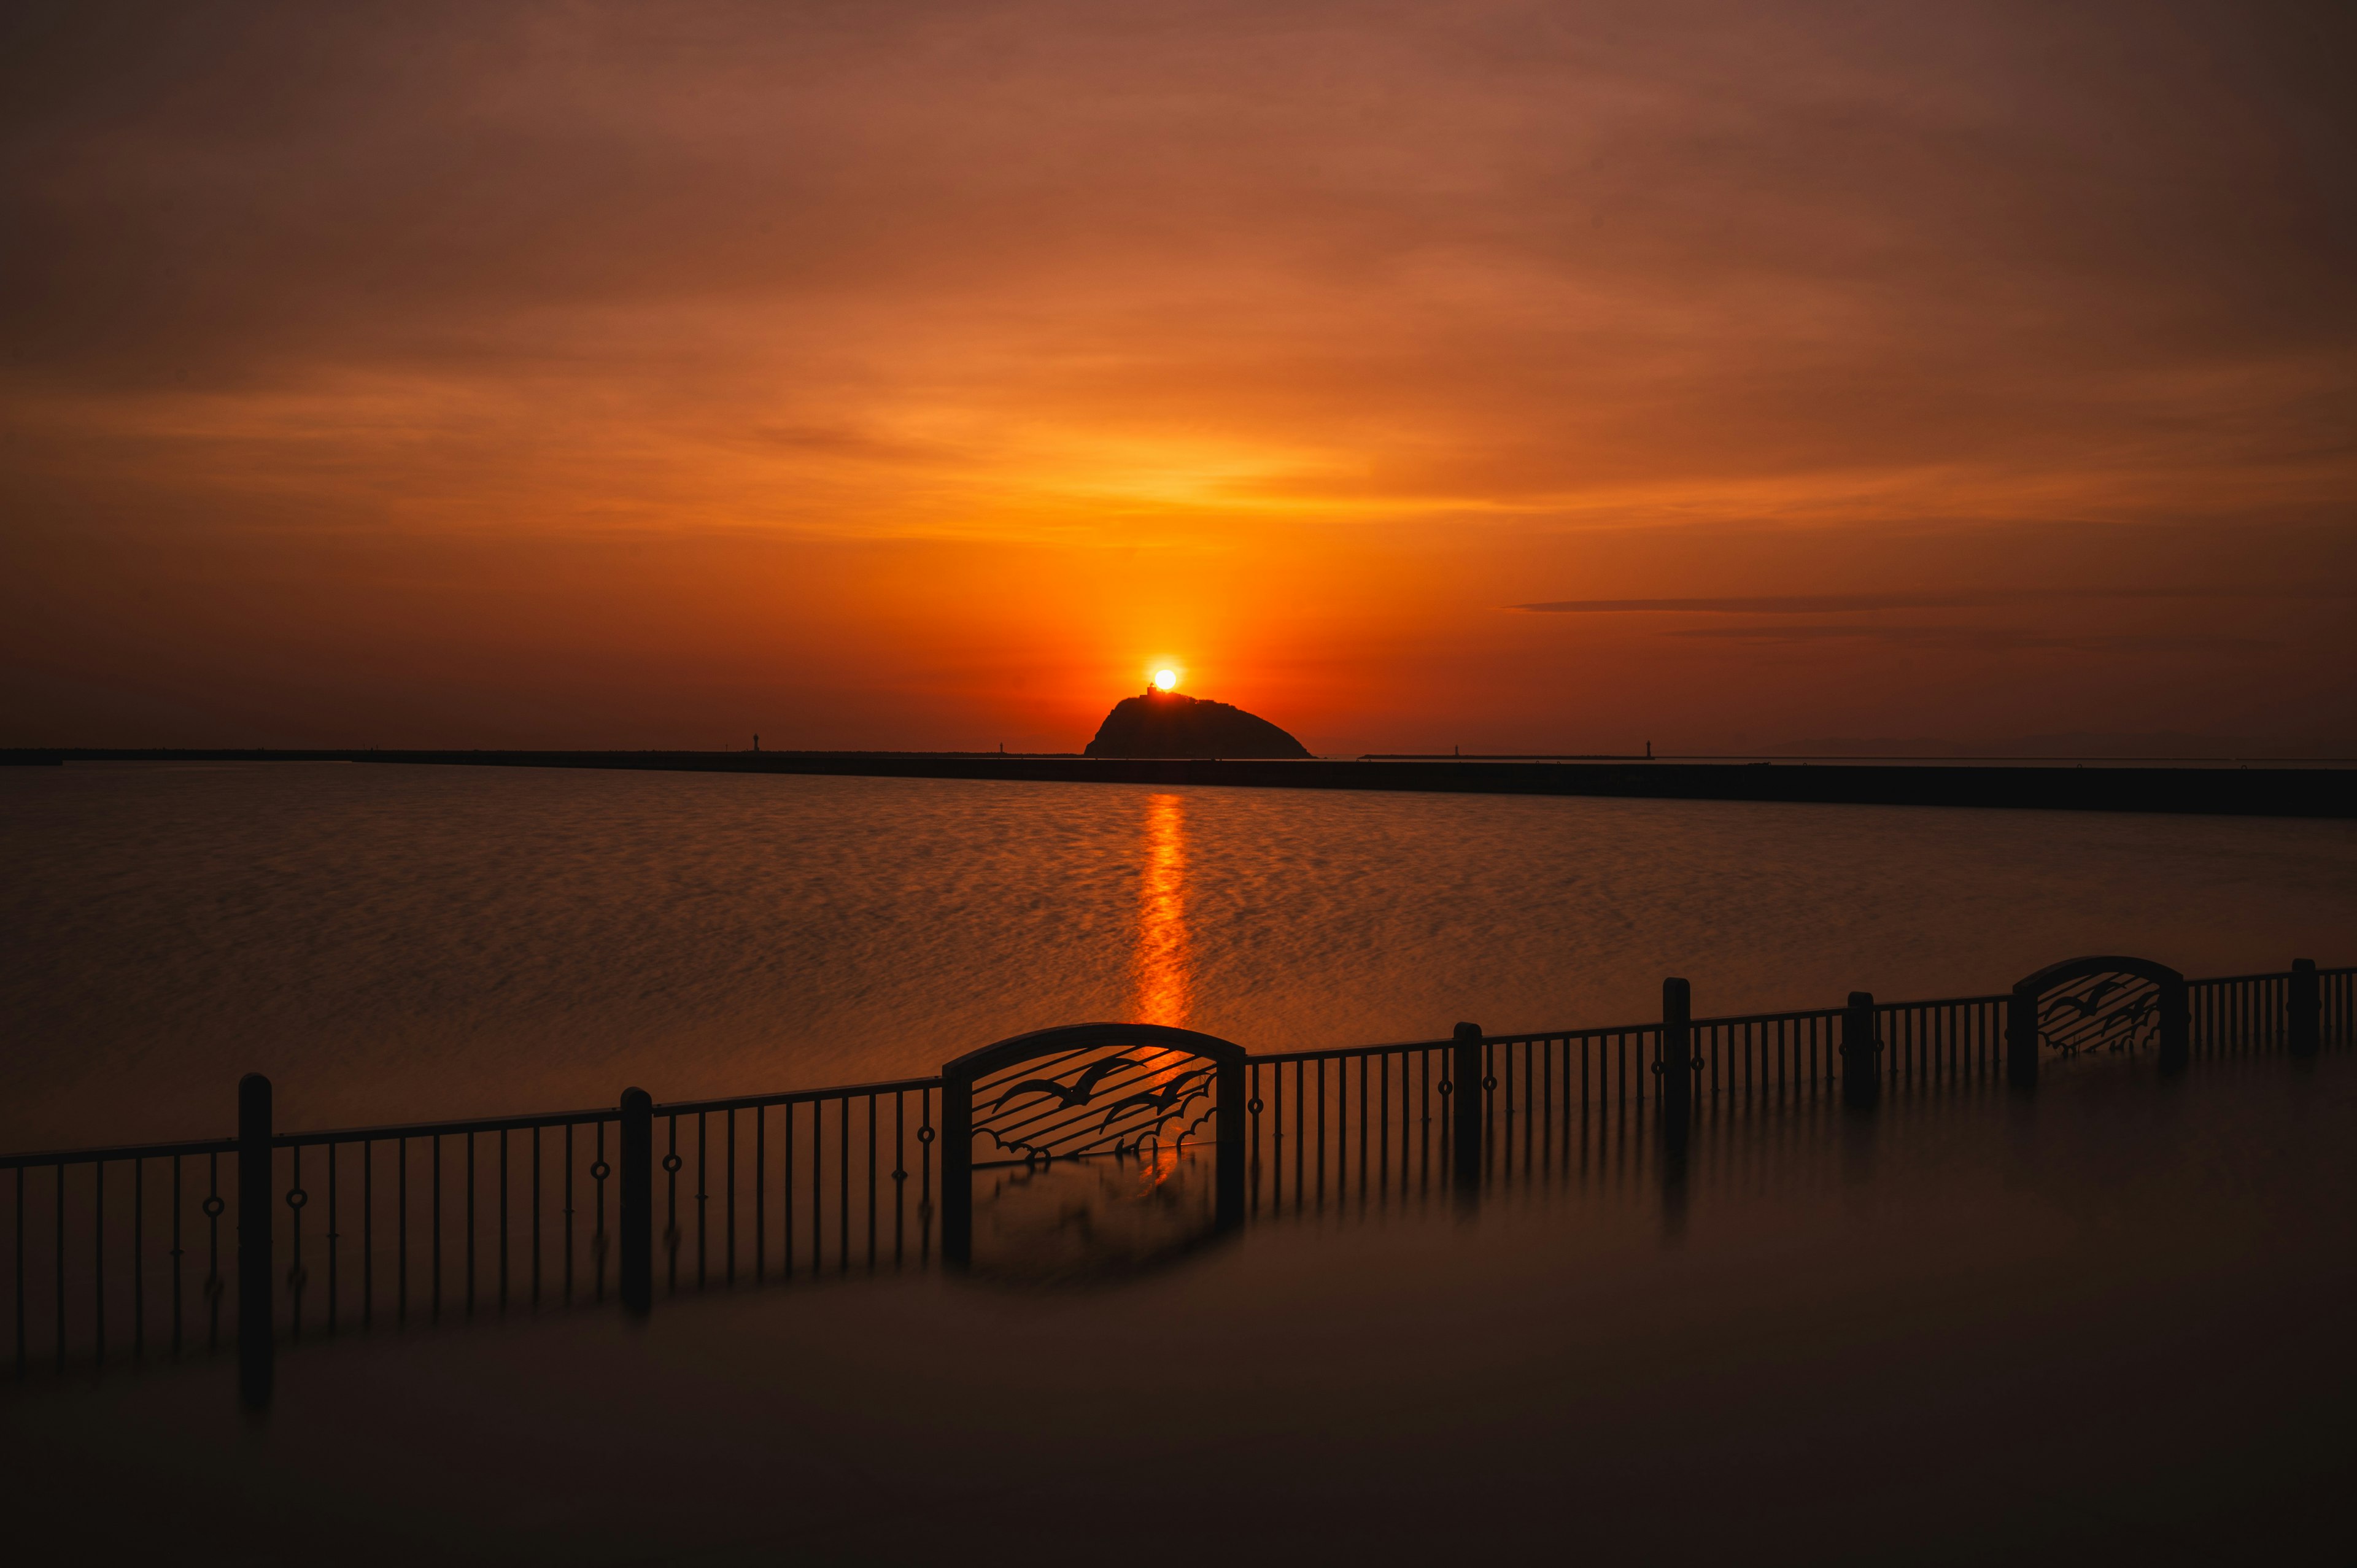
(397, 943)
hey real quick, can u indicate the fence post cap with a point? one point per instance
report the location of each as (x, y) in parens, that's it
(634, 1096)
(1468, 1032)
(1861, 998)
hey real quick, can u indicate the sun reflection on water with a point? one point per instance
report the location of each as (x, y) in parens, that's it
(1158, 971)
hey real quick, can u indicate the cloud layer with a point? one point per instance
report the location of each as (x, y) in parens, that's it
(914, 373)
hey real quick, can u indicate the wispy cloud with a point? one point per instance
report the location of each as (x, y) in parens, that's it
(1841, 604)
(1982, 638)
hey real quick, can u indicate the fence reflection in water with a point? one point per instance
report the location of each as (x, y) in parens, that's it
(124, 1252)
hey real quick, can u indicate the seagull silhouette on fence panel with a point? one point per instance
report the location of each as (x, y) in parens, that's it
(2088, 1026)
(2088, 1001)
(1167, 1098)
(1066, 1096)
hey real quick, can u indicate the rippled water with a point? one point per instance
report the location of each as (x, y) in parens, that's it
(393, 942)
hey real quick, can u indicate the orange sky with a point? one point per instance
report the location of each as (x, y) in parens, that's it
(921, 375)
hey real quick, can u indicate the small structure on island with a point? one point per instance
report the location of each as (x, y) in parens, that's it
(1162, 723)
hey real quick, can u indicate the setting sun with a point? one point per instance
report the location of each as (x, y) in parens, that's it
(1164, 680)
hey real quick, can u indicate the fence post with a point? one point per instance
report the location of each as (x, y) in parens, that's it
(1466, 1072)
(2304, 1008)
(1228, 1132)
(2175, 1024)
(637, 1216)
(256, 1325)
(1861, 1052)
(2021, 1040)
(1675, 1063)
(957, 1167)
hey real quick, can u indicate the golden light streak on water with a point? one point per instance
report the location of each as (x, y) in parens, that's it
(1158, 971)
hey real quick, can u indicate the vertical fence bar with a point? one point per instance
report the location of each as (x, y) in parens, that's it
(470, 1224)
(97, 1261)
(23, 1363)
(177, 1251)
(334, 1239)
(138, 1259)
(58, 1254)
(433, 1226)
(670, 1164)
(368, 1233)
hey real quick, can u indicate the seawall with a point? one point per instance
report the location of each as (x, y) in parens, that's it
(2260, 791)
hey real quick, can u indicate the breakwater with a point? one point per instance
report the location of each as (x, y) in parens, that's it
(2329, 791)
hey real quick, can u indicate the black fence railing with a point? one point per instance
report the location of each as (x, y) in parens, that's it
(133, 1252)
(801, 1184)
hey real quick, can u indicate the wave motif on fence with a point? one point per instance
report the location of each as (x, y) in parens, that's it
(1101, 1100)
(2113, 1011)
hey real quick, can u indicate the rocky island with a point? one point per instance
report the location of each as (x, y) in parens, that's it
(1165, 723)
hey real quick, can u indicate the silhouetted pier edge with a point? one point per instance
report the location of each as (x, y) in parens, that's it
(2324, 792)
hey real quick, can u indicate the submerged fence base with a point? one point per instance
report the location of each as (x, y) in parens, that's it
(118, 1253)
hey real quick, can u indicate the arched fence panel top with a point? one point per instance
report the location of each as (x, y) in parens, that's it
(2096, 966)
(991, 1058)
(2110, 1002)
(1088, 1089)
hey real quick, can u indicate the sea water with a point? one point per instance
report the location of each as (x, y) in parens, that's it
(392, 943)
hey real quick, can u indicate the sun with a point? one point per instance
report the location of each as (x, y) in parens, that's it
(1165, 679)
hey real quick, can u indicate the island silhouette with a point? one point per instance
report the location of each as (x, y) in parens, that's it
(1166, 723)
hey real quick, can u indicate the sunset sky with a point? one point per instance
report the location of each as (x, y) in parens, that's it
(1553, 377)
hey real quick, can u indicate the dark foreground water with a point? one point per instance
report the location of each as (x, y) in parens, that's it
(2107, 1323)
(393, 944)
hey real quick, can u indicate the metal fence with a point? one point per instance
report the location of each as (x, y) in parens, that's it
(796, 1185)
(123, 1252)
